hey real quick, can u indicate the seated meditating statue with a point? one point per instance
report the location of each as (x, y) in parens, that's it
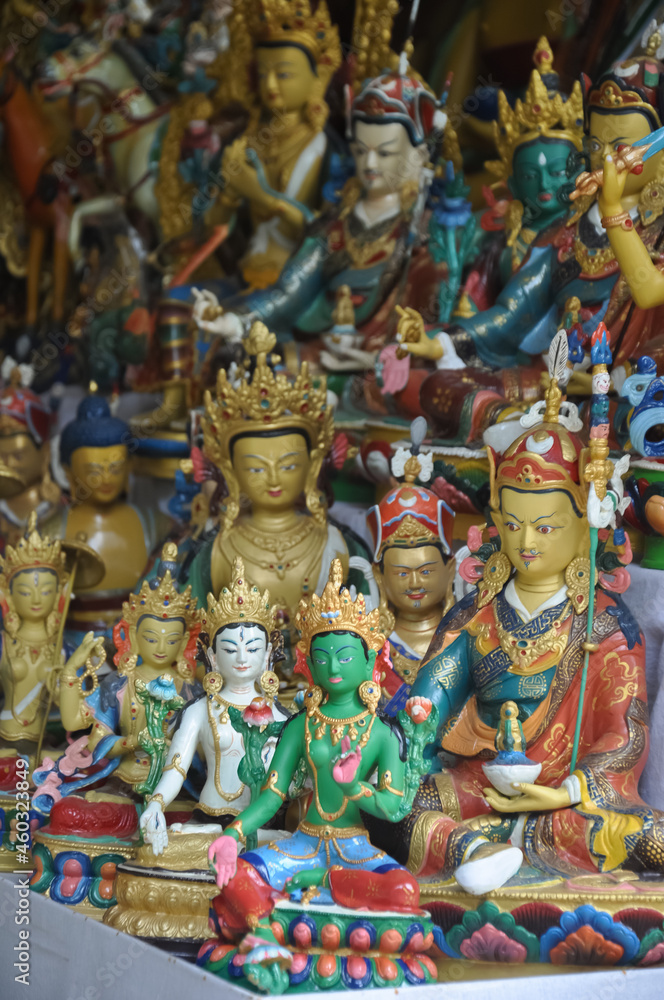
(95, 454)
(521, 637)
(243, 641)
(365, 242)
(267, 437)
(411, 530)
(277, 66)
(582, 258)
(155, 641)
(344, 741)
(33, 576)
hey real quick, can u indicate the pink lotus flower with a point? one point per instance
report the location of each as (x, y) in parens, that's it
(488, 944)
(258, 713)
(474, 537)
(395, 370)
(419, 709)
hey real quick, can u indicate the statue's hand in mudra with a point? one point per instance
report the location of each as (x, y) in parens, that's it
(613, 185)
(532, 798)
(90, 646)
(412, 337)
(346, 767)
(222, 857)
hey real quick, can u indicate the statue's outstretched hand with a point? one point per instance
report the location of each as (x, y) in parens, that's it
(90, 646)
(153, 825)
(533, 798)
(412, 337)
(222, 856)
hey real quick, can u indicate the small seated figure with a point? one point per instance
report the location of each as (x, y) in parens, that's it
(33, 576)
(26, 423)
(243, 641)
(155, 638)
(412, 534)
(94, 452)
(344, 741)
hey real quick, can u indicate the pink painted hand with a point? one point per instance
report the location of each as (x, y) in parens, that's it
(345, 769)
(222, 856)
(395, 370)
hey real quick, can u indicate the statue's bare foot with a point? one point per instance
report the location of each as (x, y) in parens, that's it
(488, 867)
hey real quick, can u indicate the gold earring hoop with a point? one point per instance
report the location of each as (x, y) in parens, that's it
(269, 685)
(497, 570)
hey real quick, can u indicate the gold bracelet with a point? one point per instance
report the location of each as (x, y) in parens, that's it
(623, 219)
(271, 785)
(157, 798)
(175, 765)
(237, 825)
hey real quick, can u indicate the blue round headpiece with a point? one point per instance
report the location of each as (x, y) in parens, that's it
(94, 427)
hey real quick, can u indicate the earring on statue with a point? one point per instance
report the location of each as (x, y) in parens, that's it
(213, 682)
(577, 578)
(269, 685)
(497, 570)
(369, 693)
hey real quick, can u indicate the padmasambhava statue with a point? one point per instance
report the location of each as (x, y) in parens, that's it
(520, 638)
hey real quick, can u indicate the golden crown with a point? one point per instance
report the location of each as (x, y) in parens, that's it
(336, 610)
(241, 602)
(292, 22)
(160, 597)
(541, 114)
(264, 402)
(33, 551)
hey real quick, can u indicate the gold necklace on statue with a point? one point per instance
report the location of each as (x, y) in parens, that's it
(330, 817)
(223, 718)
(523, 652)
(279, 544)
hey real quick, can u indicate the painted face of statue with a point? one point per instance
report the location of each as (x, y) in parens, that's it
(416, 579)
(539, 170)
(540, 532)
(608, 132)
(20, 454)
(159, 641)
(272, 471)
(285, 77)
(339, 663)
(34, 592)
(385, 158)
(241, 653)
(99, 475)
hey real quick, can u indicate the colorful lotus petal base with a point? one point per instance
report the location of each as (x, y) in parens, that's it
(598, 920)
(332, 948)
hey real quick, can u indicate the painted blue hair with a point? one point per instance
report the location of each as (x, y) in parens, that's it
(94, 427)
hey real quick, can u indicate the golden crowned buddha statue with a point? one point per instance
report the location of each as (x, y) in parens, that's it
(278, 64)
(268, 436)
(33, 575)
